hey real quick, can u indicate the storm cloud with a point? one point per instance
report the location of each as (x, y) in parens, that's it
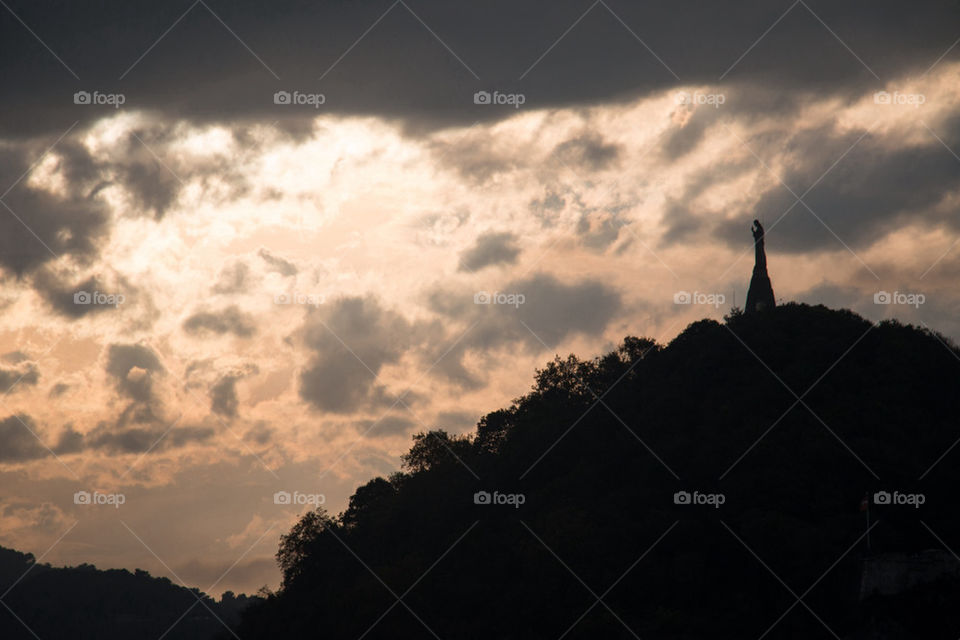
(490, 249)
(450, 51)
(228, 320)
(350, 341)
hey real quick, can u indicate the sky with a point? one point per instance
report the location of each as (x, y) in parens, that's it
(250, 248)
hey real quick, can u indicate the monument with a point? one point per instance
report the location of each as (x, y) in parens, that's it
(760, 294)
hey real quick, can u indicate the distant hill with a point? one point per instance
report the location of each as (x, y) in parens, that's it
(84, 602)
(778, 422)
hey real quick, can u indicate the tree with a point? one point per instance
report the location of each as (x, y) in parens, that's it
(433, 449)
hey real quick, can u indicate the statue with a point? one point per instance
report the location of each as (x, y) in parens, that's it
(760, 295)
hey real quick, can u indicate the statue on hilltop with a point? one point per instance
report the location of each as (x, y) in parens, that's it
(760, 295)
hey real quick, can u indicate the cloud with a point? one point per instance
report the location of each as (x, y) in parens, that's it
(38, 227)
(391, 425)
(17, 440)
(70, 441)
(227, 320)
(117, 438)
(24, 518)
(223, 393)
(261, 433)
(58, 390)
(15, 357)
(477, 156)
(599, 227)
(490, 248)
(432, 86)
(233, 278)
(874, 189)
(550, 312)
(278, 264)
(77, 300)
(351, 340)
(132, 366)
(23, 376)
(588, 151)
(688, 132)
(141, 439)
(457, 421)
(223, 396)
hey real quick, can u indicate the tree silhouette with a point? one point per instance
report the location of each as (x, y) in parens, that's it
(599, 447)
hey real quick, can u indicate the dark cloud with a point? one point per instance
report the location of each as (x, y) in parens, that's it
(233, 278)
(58, 390)
(115, 438)
(140, 426)
(588, 151)
(278, 264)
(70, 441)
(295, 44)
(223, 393)
(261, 433)
(391, 425)
(683, 217)
(132, 366)
(23, 376)
(680, 222)
(351, 340)
(686, 135)
(37, 227)
(146, 176)
(223, 396)
(18, 441)
(875, 188)
(550, 312)
(477, 157)
(92, 295)
(227, 320)
(490, 248)
(143, 439)
(547, 208)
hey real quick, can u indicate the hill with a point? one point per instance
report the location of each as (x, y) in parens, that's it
(86, 603)
(707, 488)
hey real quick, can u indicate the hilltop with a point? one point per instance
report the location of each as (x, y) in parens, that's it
(84, 602)
(791, 415)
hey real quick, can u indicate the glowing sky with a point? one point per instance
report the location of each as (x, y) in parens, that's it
(286, 294)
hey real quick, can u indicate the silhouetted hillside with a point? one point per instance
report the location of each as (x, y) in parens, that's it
(791, 415)
(84, 602)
